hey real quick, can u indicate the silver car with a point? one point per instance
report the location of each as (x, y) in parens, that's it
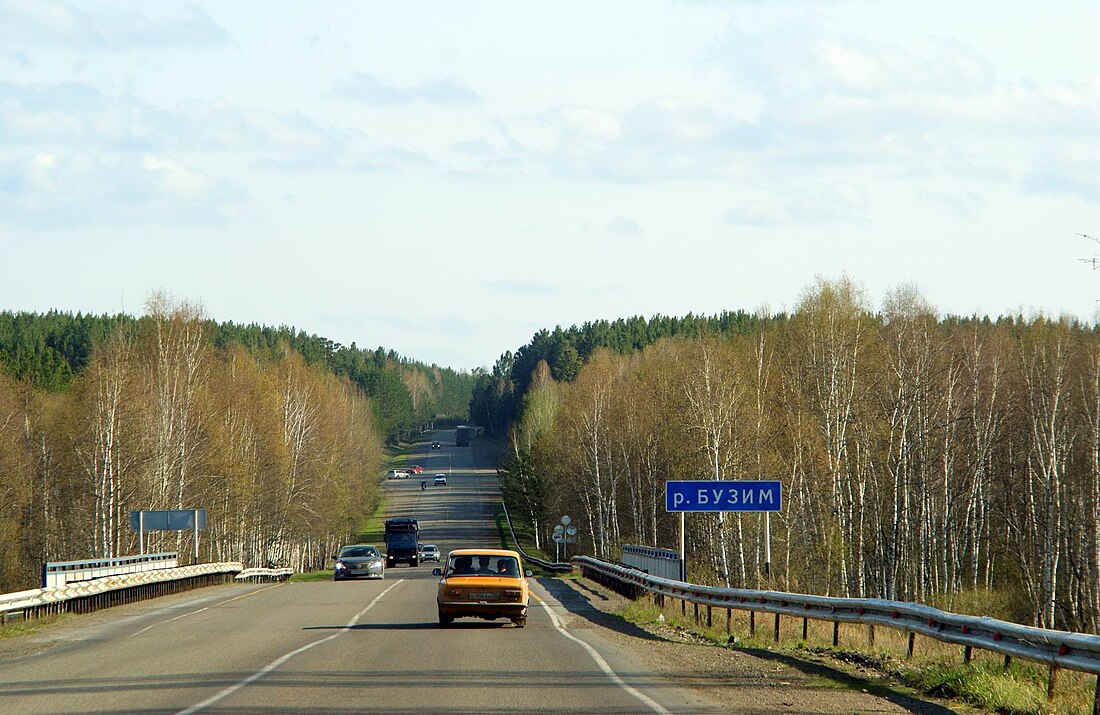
(429, 552)
(359, 560)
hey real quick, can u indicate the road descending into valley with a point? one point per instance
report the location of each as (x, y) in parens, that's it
(352, 646)
(376, 646)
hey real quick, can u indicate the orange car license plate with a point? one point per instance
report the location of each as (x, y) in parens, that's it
(484, 596)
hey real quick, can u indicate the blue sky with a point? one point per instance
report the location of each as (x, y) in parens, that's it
(444, 179)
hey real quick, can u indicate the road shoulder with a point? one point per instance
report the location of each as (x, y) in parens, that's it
(730, 679)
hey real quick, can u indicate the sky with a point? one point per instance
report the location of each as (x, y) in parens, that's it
(445, 179)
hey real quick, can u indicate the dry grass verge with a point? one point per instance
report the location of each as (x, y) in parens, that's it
(936, 668)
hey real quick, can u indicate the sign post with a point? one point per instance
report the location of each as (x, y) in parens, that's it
(564, 534)
(728, 496)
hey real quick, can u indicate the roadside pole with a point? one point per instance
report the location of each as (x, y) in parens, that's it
(683, 551)
(768, 547)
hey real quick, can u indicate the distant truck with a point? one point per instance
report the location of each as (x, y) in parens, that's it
(462, 435)
(402, 538)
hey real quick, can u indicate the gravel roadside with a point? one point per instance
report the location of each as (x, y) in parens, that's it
(736, 680)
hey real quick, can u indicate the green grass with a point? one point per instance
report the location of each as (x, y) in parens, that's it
(1020, 691)
(311, 576)
(502, 527)
(640, 611)
(373, 529)
(22, 628)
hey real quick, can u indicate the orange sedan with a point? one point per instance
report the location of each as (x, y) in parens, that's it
(482, 583)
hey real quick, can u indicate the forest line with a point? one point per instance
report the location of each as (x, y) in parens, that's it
(277, 434)
(951, 461)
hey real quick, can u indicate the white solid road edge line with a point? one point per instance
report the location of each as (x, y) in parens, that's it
(282, 659)
(641, 697)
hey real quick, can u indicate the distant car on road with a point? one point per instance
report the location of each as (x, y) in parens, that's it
(437, 445)
(441, 480)
(397, 474)
(416, 469)
(358, 560)
(482, 583)
(429, 552)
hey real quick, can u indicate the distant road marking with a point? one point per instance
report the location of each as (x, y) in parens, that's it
(191, 613)
(284, 658)
(641, 697)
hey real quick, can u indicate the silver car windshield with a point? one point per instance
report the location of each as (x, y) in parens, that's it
(353, 552)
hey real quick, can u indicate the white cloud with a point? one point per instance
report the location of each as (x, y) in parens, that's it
(522, 287)
(60, 24)
(964, 204)
(50, 189)
(802, 204)
(623, 226)
(447, 91)
(656, 140)
(1074, 172)
(83, 117)
(479, 147)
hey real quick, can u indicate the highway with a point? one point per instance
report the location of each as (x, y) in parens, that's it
(355, 646)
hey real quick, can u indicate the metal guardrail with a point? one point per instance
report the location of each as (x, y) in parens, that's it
(552, 566)
(86, 596)
(1056, 649)
(59, 573)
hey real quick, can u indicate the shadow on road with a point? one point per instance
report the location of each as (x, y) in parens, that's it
(374, 690)
(426, 625)
(577, 603)
(824, 670)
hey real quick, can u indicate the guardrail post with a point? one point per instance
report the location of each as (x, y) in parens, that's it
(695, 610)
(836, 633)
(1007, 662)
(805, 627)
(708, 616)
(683, 607)
(729, 623)
(777, 628)
(752, 623)
(912, 642)
(1096, 698)
(967, 653)
(1052, 677)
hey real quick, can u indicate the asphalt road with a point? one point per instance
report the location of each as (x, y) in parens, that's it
(353, 646)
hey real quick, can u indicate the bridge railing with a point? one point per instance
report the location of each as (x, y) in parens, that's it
(94, 594)
(1056, 649)
(59, 573)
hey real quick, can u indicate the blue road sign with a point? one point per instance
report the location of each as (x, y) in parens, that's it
(723, 496)
(169, 520)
